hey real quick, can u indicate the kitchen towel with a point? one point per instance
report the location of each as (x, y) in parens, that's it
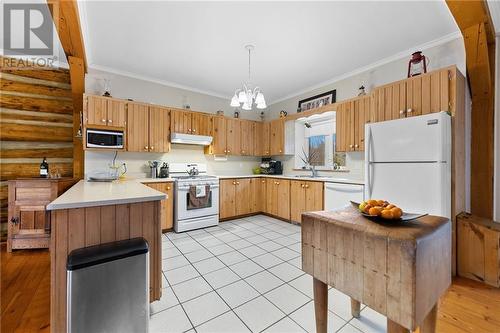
(201, 191)
(202, 202)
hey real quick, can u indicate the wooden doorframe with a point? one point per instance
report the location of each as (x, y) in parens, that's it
(67, 21)
(474, 20)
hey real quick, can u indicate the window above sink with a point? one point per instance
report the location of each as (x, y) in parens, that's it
(315, 139)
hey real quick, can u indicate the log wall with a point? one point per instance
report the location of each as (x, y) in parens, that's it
(36, 121)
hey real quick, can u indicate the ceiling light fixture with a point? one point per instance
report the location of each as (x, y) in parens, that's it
(246, 97)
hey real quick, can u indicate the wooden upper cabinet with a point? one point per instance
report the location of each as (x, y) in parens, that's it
(105, 111)
(390, 101)
(257, 128)
(189, 122)
(341, 120)
(218, 146)
(159, 120)
(180, 121)
(277, 137)
(246, 137)
(96, 110)
(266, 139)
(201, 123)
(428, 93)
(137, 127)
(233, 136)
(116, 113)
(364, 115)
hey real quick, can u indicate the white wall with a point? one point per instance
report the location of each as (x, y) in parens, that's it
(150, 92)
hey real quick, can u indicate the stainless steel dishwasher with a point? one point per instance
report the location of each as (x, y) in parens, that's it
(108, 287)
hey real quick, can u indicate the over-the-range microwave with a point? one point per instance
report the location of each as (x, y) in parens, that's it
(104, 139)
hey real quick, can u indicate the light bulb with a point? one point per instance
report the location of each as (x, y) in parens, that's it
(234, 101)
(261, 105)
(242, 97)
(246, 107)
(260, 98)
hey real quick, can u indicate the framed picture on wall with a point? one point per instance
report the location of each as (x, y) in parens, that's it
(317, 101)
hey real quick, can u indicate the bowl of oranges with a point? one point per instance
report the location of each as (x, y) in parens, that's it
(384, 210)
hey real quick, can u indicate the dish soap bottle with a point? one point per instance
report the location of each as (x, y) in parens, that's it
(44, 168)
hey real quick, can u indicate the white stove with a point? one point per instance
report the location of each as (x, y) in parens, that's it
(196, 199)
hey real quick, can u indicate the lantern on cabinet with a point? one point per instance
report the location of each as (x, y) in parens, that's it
(417, 64)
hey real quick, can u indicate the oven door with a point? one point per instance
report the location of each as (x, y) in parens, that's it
(187, 207)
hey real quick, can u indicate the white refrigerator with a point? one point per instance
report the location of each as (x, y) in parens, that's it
(408, 163)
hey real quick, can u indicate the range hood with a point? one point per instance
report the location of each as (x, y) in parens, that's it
(191, 139)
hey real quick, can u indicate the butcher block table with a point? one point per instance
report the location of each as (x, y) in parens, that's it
(398, 269)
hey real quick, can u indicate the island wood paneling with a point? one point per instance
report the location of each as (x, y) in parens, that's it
(82, 227)
(36, 121)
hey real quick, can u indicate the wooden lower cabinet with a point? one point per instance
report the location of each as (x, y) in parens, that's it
(227, 198)
(258, 194)
(306, 196)
(29, 225)
(278, 197)
(167, 205)
(283, 198)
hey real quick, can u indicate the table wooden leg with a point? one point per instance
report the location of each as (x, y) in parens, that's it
(429, 323)
(321, 305)
(393, 327)
(355, 308)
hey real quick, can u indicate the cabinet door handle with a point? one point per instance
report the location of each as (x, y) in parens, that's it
(277, 183)
(263, 181)
(168, 188)
(228, 151)
(356, 146)
(351, 146)
(307, 186)
(302, 185)
(194, 131)
(409, 111)
(110, 121)
(152, 147)
(281, 151)
(103, 120)
(225, 151)
(237, 183)
(234, 183)
(146, 147)
(402, 112)
(14, 220)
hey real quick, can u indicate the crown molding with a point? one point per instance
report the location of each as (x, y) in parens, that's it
(155, 80)
(400, 55)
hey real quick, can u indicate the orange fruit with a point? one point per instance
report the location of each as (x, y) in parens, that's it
(367, 208)
(390, 206)
(396, 212)
(387, 214)
(375, 211)
(373, 202)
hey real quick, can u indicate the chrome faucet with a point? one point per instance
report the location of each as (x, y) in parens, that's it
(314, 172)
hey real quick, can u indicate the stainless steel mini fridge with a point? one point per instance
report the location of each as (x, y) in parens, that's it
(108, 288)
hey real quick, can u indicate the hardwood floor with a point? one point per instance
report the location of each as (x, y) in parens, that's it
(468, 307)
(25, 292)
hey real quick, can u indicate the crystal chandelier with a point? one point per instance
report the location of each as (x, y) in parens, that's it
(246, 97)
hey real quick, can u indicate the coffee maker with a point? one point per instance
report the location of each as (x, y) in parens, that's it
(269, 166)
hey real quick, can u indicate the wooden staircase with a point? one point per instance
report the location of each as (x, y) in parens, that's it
(36, 121)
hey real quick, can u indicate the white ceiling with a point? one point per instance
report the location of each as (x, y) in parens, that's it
(199, 45)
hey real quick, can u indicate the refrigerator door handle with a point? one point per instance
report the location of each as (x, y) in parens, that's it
(368, 166)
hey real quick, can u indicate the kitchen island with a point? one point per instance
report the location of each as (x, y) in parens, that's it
(96, 213)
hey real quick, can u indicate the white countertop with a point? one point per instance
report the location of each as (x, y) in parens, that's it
(91, 194)
(326, 179)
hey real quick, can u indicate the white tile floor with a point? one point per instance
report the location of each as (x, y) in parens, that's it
(245, 276)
